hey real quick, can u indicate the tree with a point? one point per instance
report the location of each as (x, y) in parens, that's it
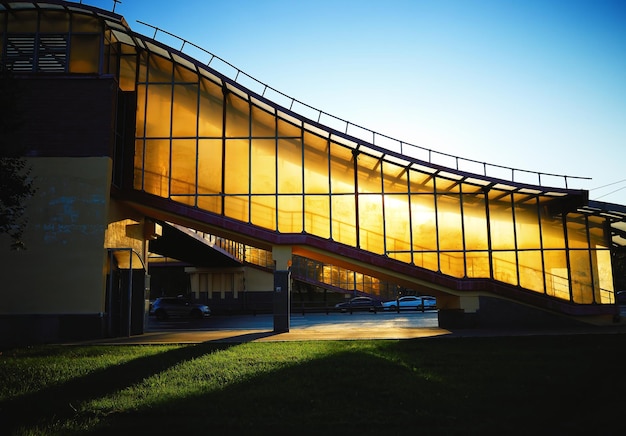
(16, 182)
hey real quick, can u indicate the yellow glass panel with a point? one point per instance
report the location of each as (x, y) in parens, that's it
(557, 281)
(237, 117)
(140, 122)
(288, 130)
(143, 67)
(501, 221)
(183, 166)
(236, 207)
(263, 211)
(452, 264)
(580, 268)
(85, 54)
(210, 123)
(128, 69)
(597, 235)
(603, 273)
(475, 222)
(210, 203)
(397, 226)
(428, 261)
(527, 226)
(504, 266)
(421, 182)
(449, 223)
(263, 166)
(446, 185)
(369, 171)
(189, 200)
(22, 21)
(290, 166)
(531, 270)
(157, 167)
(341, 169)
(159, 105)
(401, 256)
(160, 70)
(317, 215)
(185, 110)
(263, 123)
(468, 188)
(138, 165)
(576, 231)
(236, 167)
(477, 264)
(85, 23)
(290, 214)
(395, 178)
(183, 74)
(424, 222)
(54, 21)
(371, 223)
(343, 219)
(552, 233)
(315, 164)
(210, 166)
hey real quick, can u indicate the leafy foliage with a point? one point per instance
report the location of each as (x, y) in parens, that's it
(16, 182)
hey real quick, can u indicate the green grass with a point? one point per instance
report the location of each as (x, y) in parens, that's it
(435, 386)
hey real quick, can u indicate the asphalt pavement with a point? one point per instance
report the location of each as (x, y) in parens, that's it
(317, 327)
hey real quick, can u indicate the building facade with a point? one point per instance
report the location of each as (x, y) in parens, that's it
(123, 131)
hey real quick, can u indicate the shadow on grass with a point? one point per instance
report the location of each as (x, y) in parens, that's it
(512, 386)
(564, 385)
(57, 402)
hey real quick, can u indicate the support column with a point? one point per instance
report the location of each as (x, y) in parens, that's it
(282, 288)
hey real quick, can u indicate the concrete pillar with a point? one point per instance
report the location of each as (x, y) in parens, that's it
(282, 288)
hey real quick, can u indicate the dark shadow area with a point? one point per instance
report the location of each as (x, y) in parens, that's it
(56, 402)
(247, 337)
(458, 386)
(453, 387)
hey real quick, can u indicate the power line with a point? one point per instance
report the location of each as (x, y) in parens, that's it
(612, 192)
(610, 184)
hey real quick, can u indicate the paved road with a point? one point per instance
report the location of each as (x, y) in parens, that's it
(334, 326)
(316, 327)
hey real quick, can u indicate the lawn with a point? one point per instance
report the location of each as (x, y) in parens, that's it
(434, 386)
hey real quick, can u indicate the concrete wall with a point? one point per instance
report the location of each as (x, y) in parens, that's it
(61, 271)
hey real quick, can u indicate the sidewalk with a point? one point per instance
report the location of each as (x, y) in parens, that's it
(309, 328)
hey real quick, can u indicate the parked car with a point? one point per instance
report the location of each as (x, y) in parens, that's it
(166, 307)
(411, 302)
(360, 303)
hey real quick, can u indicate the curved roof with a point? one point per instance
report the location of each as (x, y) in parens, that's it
(352, 136)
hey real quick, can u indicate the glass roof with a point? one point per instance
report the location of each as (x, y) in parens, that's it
(353, 136)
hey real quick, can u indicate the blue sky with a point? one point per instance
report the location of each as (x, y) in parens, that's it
(537, 85)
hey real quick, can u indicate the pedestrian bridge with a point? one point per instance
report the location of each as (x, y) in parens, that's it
(203, 145)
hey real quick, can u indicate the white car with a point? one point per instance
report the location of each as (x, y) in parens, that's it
(411, 302)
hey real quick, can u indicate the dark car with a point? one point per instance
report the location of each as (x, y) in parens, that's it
(360, 303)
(166, 307)
(620, 297)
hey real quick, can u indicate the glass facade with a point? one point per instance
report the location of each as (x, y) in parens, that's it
(205, 142)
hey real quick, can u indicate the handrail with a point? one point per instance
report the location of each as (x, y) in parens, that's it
(404, 148)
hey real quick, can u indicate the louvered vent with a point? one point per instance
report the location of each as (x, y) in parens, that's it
(20, 53)
(48, 55)
(52, 53)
